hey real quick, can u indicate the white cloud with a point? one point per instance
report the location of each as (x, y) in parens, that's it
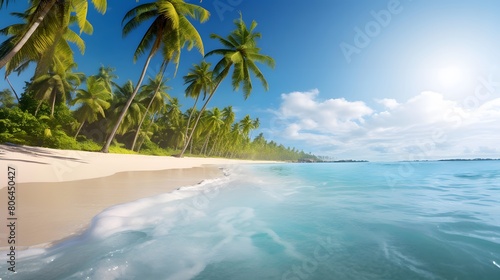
(425, 126)
(388, 103)
(327, 116)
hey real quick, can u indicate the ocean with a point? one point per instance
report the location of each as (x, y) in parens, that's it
(403, 220)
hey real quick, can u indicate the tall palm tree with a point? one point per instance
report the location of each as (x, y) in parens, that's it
(199, 79)
(155, 96)
(240, 51)
(170, 27)
(228, 117)
(93, 101)
(212, 122)
(120, 100)
(247, 125)
(57, 84)
(41, 22)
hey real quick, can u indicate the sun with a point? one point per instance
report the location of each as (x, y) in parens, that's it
(451, 75)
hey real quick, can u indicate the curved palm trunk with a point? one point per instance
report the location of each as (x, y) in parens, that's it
(196, 123)
(215, 143)
(39, 19)
(162, 69)
(105, 148)
(80, 128)
(190, 116)
(223, 75)
(38, 107)
(204, 148)
(138, 130)
(13, 90)
(147, 129)
(53, 105)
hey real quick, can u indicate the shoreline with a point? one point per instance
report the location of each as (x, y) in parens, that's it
(37, 165)
(59, 192)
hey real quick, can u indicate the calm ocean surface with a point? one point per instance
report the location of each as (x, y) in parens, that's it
(428, 220)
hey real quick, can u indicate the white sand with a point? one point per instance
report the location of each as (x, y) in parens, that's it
(58, 192)
(34, 164)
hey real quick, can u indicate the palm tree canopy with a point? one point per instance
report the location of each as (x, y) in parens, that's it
(106, 74)
(52, 36)
(94, 100)
(241, 51)
(170, 27)
(135, 111)
(155, 92)
(57, 83)
(45, 21)
(199, 79)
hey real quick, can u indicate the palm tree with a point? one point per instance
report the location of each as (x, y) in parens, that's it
(45, 19)
(120, 100)
(212, 121)
(174, 120)
(247, 125)
(54, 41)
(156, 94)
(199, 79)
(240, 51)
(107, 76)
(93, 101)
(57, 84)
(170, 28)
(228, 117)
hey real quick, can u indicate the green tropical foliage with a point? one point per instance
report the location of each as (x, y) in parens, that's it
(63, 108)
(93, 101)
(46, 20)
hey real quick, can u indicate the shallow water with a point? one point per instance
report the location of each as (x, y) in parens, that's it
(428, 220)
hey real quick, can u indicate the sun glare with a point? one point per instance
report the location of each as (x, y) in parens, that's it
(451, 76)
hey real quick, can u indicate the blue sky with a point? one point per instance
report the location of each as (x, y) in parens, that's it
(378, 80)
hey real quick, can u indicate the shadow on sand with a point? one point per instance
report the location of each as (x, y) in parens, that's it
(33, 151)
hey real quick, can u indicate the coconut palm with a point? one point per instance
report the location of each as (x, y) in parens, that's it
(247, 125)
(135, 112)
(46, 18)
(107, 76)
(199, 79)
(94, 100)
(170, 28)
(55, 41)
(212, 122)
(155, 93)
(57, 84)
(241, 53)
(228, 117)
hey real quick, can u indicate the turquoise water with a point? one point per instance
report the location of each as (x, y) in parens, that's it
(428, 220)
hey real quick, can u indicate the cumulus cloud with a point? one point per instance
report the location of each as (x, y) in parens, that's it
(425, 126)
(389, 103)
(307, 112)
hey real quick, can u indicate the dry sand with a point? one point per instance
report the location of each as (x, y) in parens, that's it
(59, 192)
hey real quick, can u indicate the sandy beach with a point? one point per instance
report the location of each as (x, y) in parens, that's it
(58, 192)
